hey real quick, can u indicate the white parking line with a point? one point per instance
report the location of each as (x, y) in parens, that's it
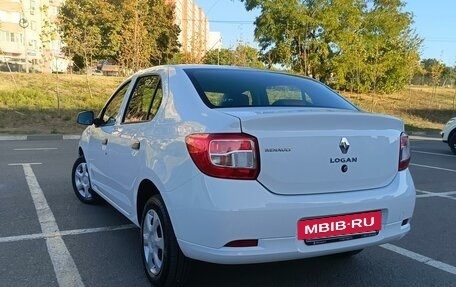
(428, 194)
(433, 153)
(65, 269)
(35, 149)
(13, 138)
(65, 233)
(71, 137)
(27, 163)
(433, 167)
(421, 258)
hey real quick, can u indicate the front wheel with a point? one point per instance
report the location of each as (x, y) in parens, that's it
(452, 142)
(164, 262)
(81, 183)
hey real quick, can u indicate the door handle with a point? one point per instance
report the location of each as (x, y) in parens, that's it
(104, 142)
(136, 145)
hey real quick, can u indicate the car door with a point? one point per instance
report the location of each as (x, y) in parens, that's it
(96, 154)
(126, 153)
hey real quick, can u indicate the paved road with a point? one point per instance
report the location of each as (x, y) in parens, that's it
(43, 226)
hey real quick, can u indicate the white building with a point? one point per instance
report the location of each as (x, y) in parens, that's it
(24, 39)
(195, 36)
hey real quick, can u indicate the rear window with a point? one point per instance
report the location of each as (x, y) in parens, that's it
(222, 88)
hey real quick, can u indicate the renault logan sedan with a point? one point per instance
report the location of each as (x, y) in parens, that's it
(448, 134)
(233, 166)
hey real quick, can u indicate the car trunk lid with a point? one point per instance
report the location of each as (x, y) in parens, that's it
(310, 151)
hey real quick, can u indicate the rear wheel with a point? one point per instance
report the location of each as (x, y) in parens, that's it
(164, 262)
(81, 182)
(452, 142)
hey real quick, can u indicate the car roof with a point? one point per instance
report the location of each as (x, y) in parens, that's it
(219, 67)
(198, 66)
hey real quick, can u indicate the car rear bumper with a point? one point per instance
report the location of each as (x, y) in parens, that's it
(288, 248)
(219, 213)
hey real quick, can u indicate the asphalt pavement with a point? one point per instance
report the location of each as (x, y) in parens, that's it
(49, 238)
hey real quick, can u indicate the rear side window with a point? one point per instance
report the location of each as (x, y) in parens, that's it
(145, 100)
(222, 88)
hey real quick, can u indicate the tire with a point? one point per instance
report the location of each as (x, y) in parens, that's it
(81, 183)
(452, 142)
(348, 254)
(163, 261)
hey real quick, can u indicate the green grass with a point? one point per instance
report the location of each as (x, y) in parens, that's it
(422, 108)
(48, 104)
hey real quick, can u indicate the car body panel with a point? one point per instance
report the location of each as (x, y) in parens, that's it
(306, 145)
(207, 213)
(244, 211)
(448, 129)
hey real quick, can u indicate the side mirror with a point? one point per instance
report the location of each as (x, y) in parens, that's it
(85, 118)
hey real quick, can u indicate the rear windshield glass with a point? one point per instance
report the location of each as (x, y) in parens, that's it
(221, 88)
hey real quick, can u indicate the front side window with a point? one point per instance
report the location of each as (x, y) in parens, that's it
(145, 100)
(111, 111)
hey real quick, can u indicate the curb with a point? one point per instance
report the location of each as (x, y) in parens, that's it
(38, 137)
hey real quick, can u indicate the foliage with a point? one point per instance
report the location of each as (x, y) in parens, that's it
(135, 33)
(434, 72)
(219, 57)
(49, 33)
(357, 45)
(247, 56)
(80, 24)
(242, 55)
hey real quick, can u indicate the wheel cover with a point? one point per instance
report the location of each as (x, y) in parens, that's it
(153, 242)
(82, 181)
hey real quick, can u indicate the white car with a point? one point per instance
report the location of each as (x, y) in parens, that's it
(233, 165)
(449, 134)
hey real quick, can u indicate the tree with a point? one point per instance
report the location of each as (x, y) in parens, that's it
(49, 33)
(437, 69)
(448, 75)
(167, 43)
(148, 34)
(134, 33)
(242, 55)
(79, 21)
(359, 44)
(136, 49)
(392, 46)
(247, 56)
(432, 72)
(221, 56)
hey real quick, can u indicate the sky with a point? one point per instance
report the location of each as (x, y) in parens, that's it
(435, 22)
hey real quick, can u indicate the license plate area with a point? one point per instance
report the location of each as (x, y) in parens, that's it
(322, 230)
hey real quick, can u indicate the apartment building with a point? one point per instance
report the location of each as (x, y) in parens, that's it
(194, 25)
(26, 46)
(24, 43)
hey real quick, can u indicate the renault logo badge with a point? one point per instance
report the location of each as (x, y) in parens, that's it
(344, 145)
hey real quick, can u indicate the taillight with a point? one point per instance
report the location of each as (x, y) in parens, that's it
(232, 156)
(404, 152)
